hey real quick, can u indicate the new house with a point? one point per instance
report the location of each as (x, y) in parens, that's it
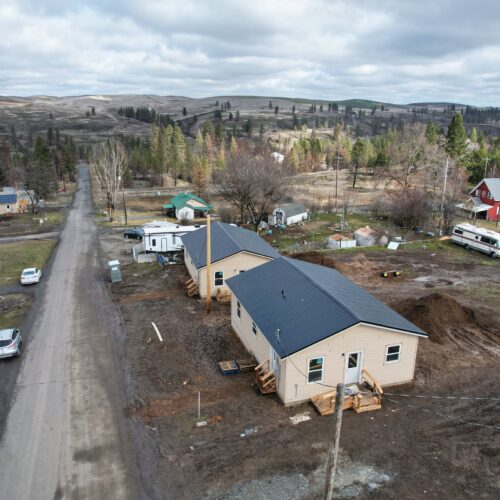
(187, 206)
(317, 329)
(234, 250)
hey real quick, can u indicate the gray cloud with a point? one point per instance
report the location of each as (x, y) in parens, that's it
(387, 50)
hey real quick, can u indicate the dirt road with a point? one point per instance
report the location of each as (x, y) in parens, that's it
(63, 437)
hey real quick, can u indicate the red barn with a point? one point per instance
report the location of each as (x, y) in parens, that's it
(487, 192)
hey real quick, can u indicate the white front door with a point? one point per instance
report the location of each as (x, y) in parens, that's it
(353, 367)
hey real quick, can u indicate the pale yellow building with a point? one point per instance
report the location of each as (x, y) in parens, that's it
(318, 329)
(234, 250)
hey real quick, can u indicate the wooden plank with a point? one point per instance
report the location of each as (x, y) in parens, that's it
(247, 365)
(362, 409)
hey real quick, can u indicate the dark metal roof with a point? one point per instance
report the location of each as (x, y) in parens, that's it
(308, 303)
(292, 209)
(8, 198)
(226, 240)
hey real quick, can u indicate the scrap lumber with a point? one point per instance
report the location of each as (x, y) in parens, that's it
(223, 295)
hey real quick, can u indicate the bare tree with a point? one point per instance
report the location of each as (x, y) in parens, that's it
(411, 155)
(108, 164)
(411, 208)
(253, 182)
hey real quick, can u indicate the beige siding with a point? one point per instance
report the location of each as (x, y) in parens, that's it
(369, 340)
(193, 272)
(230, 266)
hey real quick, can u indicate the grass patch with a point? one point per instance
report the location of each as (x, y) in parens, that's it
(14, 257)
(13, 308)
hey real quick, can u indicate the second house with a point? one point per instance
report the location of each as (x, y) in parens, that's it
(234, 250)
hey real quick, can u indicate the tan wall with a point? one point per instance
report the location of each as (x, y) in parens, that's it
(256, 345)
(193, 272)
(371, 341)
(231, 266)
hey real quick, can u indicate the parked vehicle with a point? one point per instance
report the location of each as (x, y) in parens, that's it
(477, 238)
(135, 233)
(30, 276)
(10, 343)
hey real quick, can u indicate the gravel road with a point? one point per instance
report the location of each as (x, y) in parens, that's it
(64, 436)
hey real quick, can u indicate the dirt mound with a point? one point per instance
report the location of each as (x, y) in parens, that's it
(438, 314)
(358, 266)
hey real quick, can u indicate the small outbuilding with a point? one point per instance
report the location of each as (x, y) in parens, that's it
(234, 250)
(365, 236)
(313, 328)
(340, 241)
(288, 214)
(485, 200)
(187, 206)
(8, 203)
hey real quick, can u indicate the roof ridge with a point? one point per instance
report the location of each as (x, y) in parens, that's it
(320, 287)
(230, 236)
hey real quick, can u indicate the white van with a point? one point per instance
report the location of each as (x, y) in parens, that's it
(477, 238)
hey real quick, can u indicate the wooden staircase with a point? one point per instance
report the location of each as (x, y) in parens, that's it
(265, 378)
(191, 288)
(223, 295)
(360, 402)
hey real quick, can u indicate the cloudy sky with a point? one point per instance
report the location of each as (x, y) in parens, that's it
(389, 50)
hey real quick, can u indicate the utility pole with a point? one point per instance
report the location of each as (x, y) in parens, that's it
(444, 185)
(209, 261)
(124, 206)
(486, 167)
(337, 181)
(334, 446)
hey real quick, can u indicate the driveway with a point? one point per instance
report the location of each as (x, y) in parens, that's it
(64, 435)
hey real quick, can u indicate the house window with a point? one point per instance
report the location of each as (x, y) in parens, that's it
(392, 353)
(315, 370)
(219, 278)
(489, 196)
(478, 192)
(238, 309)
(153, 242)
(254, 328)
(484, 194)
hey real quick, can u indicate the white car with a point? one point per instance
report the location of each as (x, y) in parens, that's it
(30, 276)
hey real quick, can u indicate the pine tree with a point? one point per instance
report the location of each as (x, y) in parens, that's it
(237, 115)
(92, 111)
(431, 133)
(270, 105)
(456, 138)
(184, 111)
(230, 118)
(261, 131)
(276, 110)
(50, 136)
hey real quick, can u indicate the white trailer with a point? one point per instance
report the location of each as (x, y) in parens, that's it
(477, 238)
(165, 238)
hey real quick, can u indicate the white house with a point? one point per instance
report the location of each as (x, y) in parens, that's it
(288, 214)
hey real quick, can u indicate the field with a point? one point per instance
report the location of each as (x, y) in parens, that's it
(14, 257)
(412, 448)
(13, 309)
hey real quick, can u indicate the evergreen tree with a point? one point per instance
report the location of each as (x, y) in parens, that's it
(237, 115)
(248, 126)
(456, 138)
(276, 110)
(261, 131)
(184, 111)
(270, 105)
(431, 133)
(293, 109)
(50, 136)
(92, 111)
(230, 118)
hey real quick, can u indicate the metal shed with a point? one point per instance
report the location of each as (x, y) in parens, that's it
(115, 273)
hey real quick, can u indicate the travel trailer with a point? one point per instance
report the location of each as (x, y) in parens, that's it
(477, 238)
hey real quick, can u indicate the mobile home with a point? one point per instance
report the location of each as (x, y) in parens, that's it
(477, 238)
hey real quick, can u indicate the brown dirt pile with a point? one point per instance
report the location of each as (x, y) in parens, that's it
(360, 269)
(443, 318)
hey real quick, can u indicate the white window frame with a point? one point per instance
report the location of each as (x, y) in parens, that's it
(215, 279)
(387, 347)
(238, 310)
(254, 329)
(313, 371)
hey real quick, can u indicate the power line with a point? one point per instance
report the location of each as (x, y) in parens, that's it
(453, 419)
(466, 398)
